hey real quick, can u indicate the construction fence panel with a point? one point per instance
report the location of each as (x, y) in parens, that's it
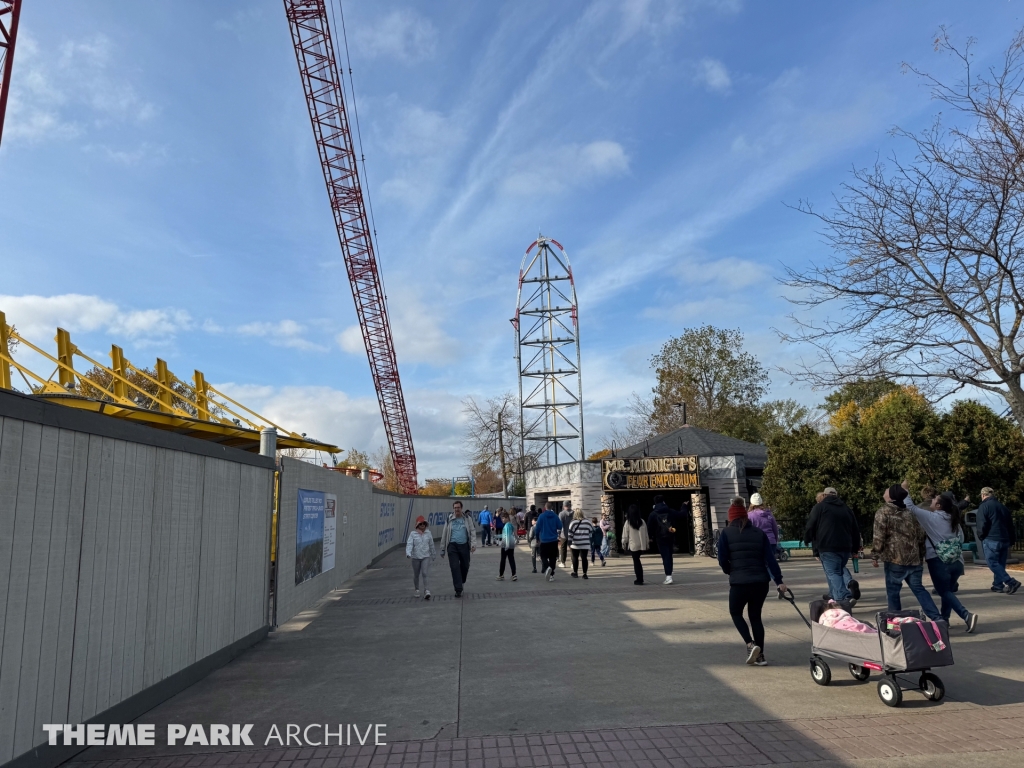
(127, 556)
(369, 523)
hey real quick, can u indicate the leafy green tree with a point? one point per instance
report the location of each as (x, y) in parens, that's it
(757, 423)
(436, 487)
(982, 449)
(863, 392)
(486, 479)
(796, 472)
(358, 459)
(383, 463)
(707, 369)
(897, 436)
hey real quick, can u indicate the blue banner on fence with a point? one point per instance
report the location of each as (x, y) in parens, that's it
(309, 535)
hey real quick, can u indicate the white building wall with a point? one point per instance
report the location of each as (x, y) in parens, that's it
(719, 474)
(579, 482)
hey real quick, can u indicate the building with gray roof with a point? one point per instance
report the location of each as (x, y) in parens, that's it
(728, 467)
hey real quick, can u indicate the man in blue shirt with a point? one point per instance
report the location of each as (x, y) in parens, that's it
(458, 541)
(484, 520)
(548, 527)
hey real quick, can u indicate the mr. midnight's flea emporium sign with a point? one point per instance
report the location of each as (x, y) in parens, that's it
(648, 473)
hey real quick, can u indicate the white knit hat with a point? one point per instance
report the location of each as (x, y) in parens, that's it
(756, 500)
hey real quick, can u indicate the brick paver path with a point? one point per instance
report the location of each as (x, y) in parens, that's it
(889, 734)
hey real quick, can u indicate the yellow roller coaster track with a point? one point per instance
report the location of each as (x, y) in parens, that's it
(195, 408)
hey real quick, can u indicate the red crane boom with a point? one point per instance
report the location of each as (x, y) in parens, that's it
(318, 68)
(10, 11)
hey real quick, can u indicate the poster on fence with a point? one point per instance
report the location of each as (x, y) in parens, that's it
(330, 529)
(315, 534)
(309, 535)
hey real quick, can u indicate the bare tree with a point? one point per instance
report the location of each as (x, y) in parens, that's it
(638, 426)
(494, 436)
(382, 461)
(928, 261)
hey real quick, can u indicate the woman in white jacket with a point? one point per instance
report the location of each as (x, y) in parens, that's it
(420, 549)
(635, 540)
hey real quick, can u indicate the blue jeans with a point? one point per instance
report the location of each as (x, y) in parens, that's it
(941, 574)
(956, 570)
(834, 563)
(665, 548)
(895, 575)
(996, 553)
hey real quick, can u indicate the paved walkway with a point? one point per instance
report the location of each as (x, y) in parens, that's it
(531, 674)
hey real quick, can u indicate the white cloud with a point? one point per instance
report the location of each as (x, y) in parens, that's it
(150, 323)
(59, 94)
(418, 131)
(130, 157)
(417, 333)
(334, 416)
(725, 274)
(351, 340)
(422, 142)
(402, 34)
(604, 158)
(554, 169)
(713, 75)
(284, 333)
(241, 22)
(37, 317)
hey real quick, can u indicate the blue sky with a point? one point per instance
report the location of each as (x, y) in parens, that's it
(163, 190)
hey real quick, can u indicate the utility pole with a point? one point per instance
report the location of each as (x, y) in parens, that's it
(501, 452)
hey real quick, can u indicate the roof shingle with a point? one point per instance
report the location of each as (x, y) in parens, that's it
(690, 440)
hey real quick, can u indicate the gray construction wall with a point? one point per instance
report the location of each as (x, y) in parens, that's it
(128, 556)
(370, 523)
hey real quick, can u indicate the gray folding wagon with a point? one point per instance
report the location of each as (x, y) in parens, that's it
(921, 647)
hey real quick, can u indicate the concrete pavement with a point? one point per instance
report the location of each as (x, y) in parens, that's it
(529, 658)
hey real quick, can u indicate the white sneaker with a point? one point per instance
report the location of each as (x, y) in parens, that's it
(668, 580)
(426, 595)
(417, 593)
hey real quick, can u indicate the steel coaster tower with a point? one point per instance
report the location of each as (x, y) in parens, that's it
(548, 355)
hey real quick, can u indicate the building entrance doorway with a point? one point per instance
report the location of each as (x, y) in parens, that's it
(644, 500)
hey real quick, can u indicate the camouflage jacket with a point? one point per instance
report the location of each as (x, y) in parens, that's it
(898, 538)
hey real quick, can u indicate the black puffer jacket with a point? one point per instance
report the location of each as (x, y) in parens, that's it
(746, 554)
(832, 527)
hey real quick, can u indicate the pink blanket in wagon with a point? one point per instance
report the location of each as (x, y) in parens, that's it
(837, 618)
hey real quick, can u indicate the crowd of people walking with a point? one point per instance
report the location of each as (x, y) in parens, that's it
(906, 538)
